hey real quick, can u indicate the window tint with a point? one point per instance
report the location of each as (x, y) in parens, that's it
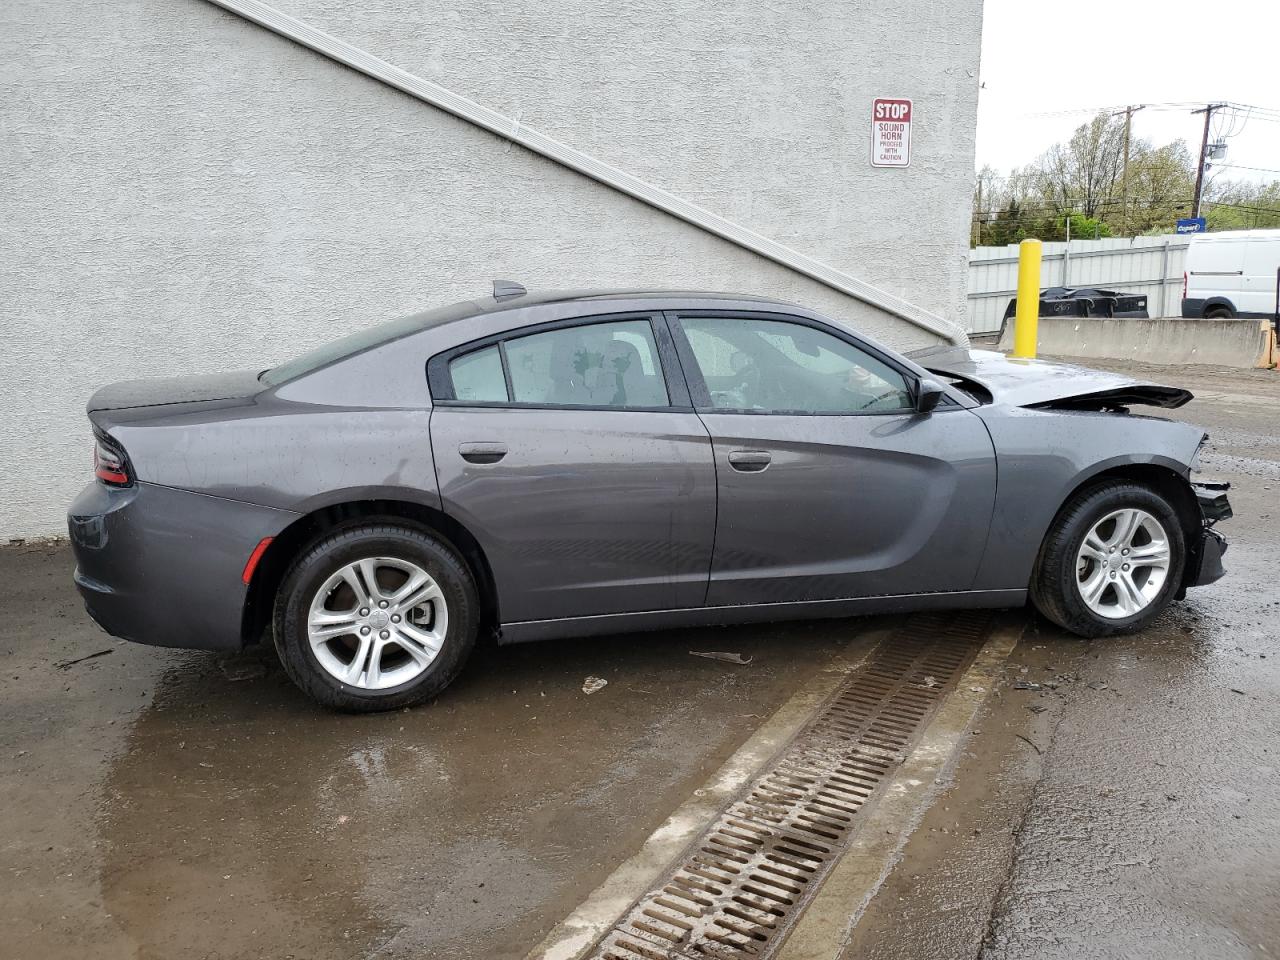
(478, 376)
(776, 366)
(597, 365)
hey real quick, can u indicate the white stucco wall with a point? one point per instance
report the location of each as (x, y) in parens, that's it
(186, 192)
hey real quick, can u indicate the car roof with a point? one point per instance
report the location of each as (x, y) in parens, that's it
(471, 310)
(444, 319)
(532, 298)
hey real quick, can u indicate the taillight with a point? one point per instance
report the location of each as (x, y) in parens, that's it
(110, 465)
(1184, 284)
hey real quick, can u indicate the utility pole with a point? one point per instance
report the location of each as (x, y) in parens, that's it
(1207, 110)
(1128, 112)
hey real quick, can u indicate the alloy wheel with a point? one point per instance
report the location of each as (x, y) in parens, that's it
(377, 623)
(1122, 564)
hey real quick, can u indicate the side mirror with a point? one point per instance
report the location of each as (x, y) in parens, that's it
(928, 393)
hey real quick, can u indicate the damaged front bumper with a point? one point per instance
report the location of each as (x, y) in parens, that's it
(1214, 506)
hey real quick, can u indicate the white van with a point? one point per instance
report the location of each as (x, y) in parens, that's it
(1232, 274)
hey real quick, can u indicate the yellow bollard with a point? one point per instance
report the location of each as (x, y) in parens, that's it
(1027, 315)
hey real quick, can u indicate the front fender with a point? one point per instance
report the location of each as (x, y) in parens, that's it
(1043, 456)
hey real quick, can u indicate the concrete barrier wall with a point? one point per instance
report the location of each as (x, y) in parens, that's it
(1228, 343)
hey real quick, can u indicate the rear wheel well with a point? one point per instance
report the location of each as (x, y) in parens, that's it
(1219, 308)
(1168, 483)
(306, 530)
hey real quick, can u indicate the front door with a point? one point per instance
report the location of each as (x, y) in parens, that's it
(830, 484)
(590, 491)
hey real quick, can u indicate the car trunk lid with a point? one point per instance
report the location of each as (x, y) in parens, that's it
(161, 391)
(137, 401)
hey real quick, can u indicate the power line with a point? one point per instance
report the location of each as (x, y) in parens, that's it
(1237, 166)
(1070, 207)
(1243, 206)
(1170, 105)
(1253, 106)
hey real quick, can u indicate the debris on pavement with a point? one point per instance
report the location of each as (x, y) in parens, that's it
(720, 655)
(68, 664)
(236, 669)
(1027, 685)
(592, 684)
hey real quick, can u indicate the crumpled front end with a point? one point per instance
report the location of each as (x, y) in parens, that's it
(1046, 384)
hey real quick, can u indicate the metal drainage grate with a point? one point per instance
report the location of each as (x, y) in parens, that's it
(744, 882)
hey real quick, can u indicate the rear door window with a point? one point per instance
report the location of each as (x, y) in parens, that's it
(613, 364)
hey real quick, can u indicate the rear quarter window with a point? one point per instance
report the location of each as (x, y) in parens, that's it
(478, 376)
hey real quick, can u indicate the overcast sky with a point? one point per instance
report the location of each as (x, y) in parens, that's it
(1048, 67)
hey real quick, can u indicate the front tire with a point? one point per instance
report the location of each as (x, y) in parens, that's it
(375, 617)
(1111, 562)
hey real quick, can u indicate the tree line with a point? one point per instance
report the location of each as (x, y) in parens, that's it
(1082, 182)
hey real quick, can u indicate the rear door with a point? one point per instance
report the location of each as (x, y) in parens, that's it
(1261, 262)
(830, 484)
(572, 453)
(1215, 269)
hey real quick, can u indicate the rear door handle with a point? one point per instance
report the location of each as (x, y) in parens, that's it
(482, 452)
(749, 461)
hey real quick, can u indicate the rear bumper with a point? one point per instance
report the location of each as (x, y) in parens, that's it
(162, 566)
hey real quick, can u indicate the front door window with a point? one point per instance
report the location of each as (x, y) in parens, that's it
(774, 366)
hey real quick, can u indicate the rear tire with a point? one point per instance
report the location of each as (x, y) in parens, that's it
(1218, 313)
(375, 617)
(1111, 562)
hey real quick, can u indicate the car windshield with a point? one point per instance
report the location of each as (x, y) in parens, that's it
(363, 340)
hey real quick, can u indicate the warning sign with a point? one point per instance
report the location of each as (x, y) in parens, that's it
(890, 133)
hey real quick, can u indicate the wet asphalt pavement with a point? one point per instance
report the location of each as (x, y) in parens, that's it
(167, 803)
(162, 804)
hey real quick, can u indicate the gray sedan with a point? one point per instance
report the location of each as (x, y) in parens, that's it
(585, 463)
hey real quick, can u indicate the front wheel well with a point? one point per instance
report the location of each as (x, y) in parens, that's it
(1167, 482)
(290, 542)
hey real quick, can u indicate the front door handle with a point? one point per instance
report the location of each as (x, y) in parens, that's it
(482, 452)
(749, 461)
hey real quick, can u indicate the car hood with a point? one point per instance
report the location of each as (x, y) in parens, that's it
(1046, 383)
(161, 391)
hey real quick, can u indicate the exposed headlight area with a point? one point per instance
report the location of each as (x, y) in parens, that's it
(1212, 497)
